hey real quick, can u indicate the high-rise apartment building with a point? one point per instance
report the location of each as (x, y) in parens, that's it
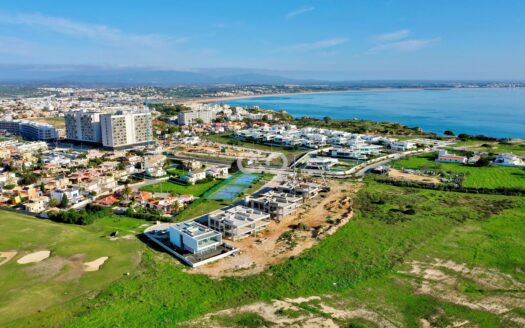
(123, 129)
(118, 129)
(83, 126)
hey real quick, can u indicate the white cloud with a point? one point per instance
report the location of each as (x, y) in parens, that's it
(298, 12)
(403, 46)
(322, 44)
(392, 36)
(95, 32)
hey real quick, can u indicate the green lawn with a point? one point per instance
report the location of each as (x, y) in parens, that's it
(176, 171)
(176, 189)
(203, 206)
(358, 265)
(516, 148)
(31, 288)
(475, 177)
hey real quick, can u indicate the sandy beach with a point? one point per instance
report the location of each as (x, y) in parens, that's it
(221, 99)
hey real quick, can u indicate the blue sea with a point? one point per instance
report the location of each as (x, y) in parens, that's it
(497, 112)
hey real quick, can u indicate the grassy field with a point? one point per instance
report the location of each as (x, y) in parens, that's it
(360, 265)
(57, 122)
(176, 189)
(31, 288)
(516, 148)
(203, 206)
(475, 177)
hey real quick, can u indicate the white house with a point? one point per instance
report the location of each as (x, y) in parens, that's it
(72, 194)
(320, 163)
(402, 145)
(446, 157)
(509, 160)
(194, 176)
(219, 172)
(194, 237)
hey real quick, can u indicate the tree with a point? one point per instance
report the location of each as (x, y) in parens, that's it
(64, 202)
(463, 136)
(483, 161)
(127, 192)
(449, 133)
(327, 119)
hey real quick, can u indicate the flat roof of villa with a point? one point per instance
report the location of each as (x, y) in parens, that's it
(194, 229)
(239, 215)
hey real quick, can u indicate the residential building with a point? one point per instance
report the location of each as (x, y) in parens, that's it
(191, 117)
(238, 222)
(37, 205)
(277, 204)
(307, 190)
(194, 176)
(194, 237)
(218, 172)
(445, 157)
(124, 129)
(30, 130)
(509, 160)
(83, 126)
(320, 163)
(402, 145)
(72, 194)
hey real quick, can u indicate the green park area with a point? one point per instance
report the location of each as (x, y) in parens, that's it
(30, 289)
(179, 189)
(494, 147)
(474, 177)
(370, 263)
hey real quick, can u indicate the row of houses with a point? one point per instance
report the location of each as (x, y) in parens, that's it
(240, 221)
(346, 145)
(500, 160)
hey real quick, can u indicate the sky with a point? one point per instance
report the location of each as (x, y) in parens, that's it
(330, 39)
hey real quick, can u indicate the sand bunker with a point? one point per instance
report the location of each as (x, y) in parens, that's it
(95, 265)
(34, 257)
(7, 256)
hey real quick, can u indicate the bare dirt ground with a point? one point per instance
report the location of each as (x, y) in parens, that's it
(495, 292)
(398, 175)
(296, 313)
(95, 265)
(221, 150)
(34, 257)
(7, 256)
(321, 216)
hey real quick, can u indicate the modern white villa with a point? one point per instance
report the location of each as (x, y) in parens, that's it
(509, 160)
(238, 222)
(320, 163)
(194, 237)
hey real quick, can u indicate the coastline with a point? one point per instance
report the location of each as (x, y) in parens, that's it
(223, 99)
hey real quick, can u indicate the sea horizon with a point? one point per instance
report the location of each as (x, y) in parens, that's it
(494, 112)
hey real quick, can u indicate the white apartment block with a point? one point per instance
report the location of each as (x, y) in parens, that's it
(123, 129)
(193, 116)
(83, 126)
(30, 130)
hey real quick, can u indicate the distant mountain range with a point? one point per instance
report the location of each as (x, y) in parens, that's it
(135, 76)
(113, 76)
